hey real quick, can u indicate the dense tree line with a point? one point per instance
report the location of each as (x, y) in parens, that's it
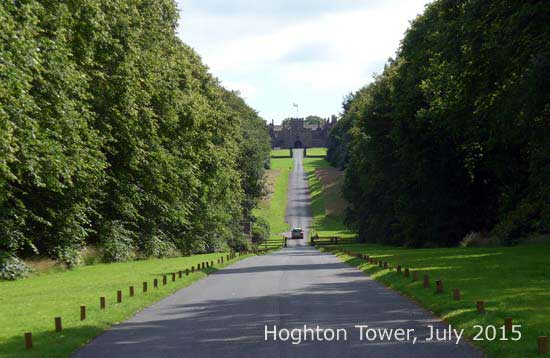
(454, 136)
(309, 120)
(114, 133)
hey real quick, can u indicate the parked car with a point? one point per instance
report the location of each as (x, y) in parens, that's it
(297, 233)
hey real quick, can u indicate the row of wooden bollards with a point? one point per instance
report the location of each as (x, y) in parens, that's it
(480, 305)
(131, 291)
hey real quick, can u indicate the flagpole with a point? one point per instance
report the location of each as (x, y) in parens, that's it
(297, 109)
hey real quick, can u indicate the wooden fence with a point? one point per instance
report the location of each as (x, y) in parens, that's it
(332, 240)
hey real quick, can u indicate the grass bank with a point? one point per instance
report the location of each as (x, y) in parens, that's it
(280, 153)
(30, 305)
(512, 281)
(273, 207)
(316, 152)
(324, 225)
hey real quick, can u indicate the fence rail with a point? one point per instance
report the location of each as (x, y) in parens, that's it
(332, 240)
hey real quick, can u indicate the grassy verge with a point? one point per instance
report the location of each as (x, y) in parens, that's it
(274, 208)
(280, 153)
(30, 305)
(322, 224)
(512, 281)
(317, 151)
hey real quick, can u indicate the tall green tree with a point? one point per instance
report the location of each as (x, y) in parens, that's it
(451, 137)
(114, 133)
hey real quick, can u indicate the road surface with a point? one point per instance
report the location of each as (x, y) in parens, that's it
(298, 211)
(225, 314)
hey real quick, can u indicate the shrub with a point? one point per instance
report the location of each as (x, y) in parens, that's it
(116, 242)
(240, 243)
(158, 246)
(260, 230)
(11, 268)
(476, 239)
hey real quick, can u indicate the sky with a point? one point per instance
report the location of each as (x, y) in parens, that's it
(308, 52)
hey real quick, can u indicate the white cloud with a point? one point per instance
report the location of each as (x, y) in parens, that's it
(246, 90)
(317, 59)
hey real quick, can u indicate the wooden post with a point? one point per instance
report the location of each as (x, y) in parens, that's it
(186, 272)
(222, 259)
(543, 344)
(480, 307)
(438, 286)
(415, 276)
(28, 340)
(180, 274)
(145, 287)
(102, 302)
(203, 265)
(192, 268)
(399, 269)
(82, 313)
(456, 294)
(198, 267)
(426, 281)
(58, 326)
(380, 263)
(385, 264)
(211, 263)
(173, 276)
(407, 272)
(131, 291)
(164, 280)
(508, 324)
(155, 283)
(119, 296)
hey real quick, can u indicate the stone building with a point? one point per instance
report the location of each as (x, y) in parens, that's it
(296, 134)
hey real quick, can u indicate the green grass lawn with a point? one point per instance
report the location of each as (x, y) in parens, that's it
(280, 153)
(30, 305)
(274, 209)
(317, 151)
(322, 225)
(513, 281)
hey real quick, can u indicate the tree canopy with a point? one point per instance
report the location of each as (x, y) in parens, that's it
(452, 137)
(113, 132)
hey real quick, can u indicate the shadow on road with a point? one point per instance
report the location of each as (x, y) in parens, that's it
(234, 327)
